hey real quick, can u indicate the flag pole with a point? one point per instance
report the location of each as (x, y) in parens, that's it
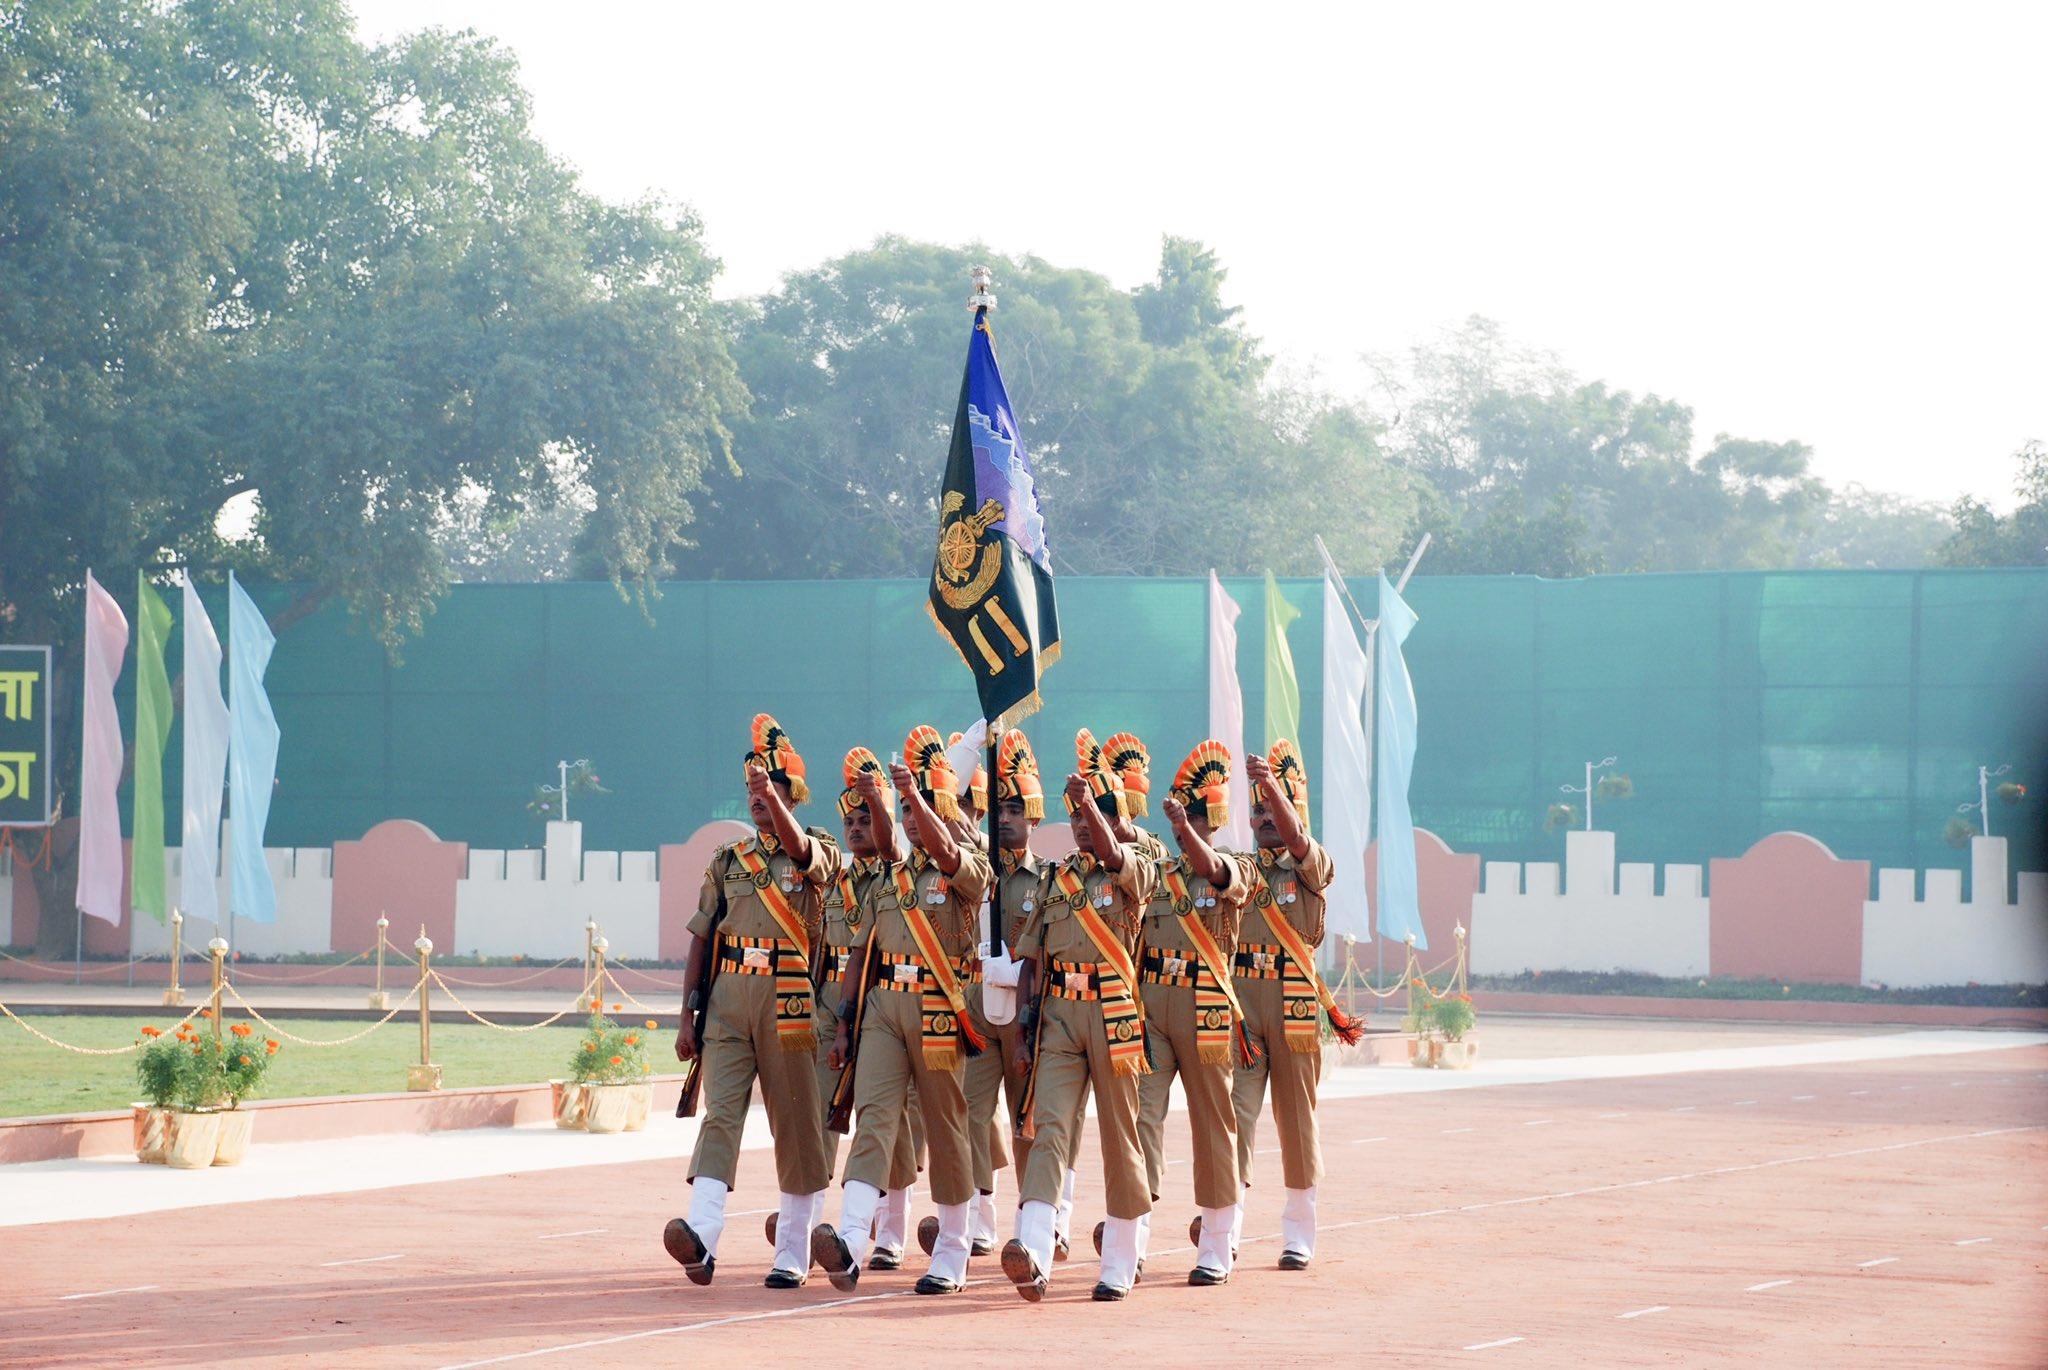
(981, 302)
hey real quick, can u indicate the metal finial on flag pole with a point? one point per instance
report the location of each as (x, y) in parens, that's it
(981, 299)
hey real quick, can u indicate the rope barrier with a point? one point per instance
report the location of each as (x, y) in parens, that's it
(34, 1031)
(499, 1027)
(677, 986)
(71, 971)
(243, 973)
(311, 1042)
(627, 994)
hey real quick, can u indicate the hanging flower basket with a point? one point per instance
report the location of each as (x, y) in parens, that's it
(2012, 792)
(1560, 816)
(1615, 787)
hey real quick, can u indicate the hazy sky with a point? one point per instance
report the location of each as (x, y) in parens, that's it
(1806, 221)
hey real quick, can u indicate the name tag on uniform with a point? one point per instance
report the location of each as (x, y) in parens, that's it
(906, 974)
(756, 958)
(1173, 965)
(1077, 981)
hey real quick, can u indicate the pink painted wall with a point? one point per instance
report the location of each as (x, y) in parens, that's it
(1446, 881)
(682, 876)
(1787, 908)
(399, 870)
(101, 938)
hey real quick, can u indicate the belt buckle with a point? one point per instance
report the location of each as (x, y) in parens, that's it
(756, 958)
(1173, 965)
(1077, 981)
(1263, 960)
(905, 973)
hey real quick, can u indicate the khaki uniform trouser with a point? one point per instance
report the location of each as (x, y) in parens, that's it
(1073, 1055)
(909, 1155)
(996, 1070)
(892, 1086)
(1293, 1076)
(740, 1044)
(1212, 1115)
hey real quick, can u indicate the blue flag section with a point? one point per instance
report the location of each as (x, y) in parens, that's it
(991, 589)
(252, 758)
(1399, 897)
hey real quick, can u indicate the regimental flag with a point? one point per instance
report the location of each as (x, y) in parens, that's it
(991, 589)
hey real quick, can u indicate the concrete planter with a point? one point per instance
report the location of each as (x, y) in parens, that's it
(610, 1107)
(152, 1133)
(1436, 1054)
(194, 1138)
(235, 1127)
(638, 1106)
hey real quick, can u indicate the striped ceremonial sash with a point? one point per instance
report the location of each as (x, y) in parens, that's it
(944, 1009)
(1218, 1015)
(795, 1027)
(1301, 988)
(1123, 1019)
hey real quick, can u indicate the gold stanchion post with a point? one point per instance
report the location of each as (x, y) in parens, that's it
(174, 995)
(588, 1002)
(1408, 979)
(378, 998)
(425, 1075)
(219, 948)
(598, 946)
(1463, 987)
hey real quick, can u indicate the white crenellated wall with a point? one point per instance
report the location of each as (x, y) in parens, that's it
(1941, 938)
(1523, 920)
(535, 903)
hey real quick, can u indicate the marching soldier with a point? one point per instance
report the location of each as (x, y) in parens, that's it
(1193, 1022)
(1279, 988)
(1020, 804)
(912, 1019)
(1087, 1030)
(870, 834)
(753, 957)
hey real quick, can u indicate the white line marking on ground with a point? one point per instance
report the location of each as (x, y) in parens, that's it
(1767, 1284)
(1449, 1130)
(1904, 1088)
(1802, 1098)
(365, 1260)
(1538, 1122)
(1685, 1108)
(1612, 1115)
(586, 1232)
(1973, 1241)
(1361, 1141)
(102, 1293)
(1490, 1345)
(1742, 1103)
(1881, 1260)
(1859, 1091)
(1645, 1312)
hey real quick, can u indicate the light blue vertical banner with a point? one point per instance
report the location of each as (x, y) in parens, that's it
(1399, 896)
(252, 758)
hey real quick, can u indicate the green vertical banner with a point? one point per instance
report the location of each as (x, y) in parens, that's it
(152, 731)
(1283, 694)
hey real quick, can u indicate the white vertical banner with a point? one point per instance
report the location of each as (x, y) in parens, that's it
(1226, 711)
(1346, 770)
(1400, 889)
(99, 803)
(206, 762)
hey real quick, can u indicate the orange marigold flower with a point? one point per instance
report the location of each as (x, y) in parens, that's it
(152, 1032)
(240, 1029)
(617, 1007)
(243, 1059)
(269, 1046)
(652, 1025)
(618, 1060)
(206, 1013)
(195, 1049)
(632, 1039)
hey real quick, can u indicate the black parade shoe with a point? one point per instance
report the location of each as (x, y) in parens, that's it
(885, 1259)
(935, 1284)
(1098, 1237)
(683, 1244)
(784, 1279)
(1202, 1275)
(1108, 1293)
(829, 1253)
(1293, 1260)
(1022, 1270)
(1195, 1230)
(927, 1234)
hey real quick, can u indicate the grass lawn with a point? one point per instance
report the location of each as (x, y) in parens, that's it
(38, 1078)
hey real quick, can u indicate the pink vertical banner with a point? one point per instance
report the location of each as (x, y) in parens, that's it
(99, 806)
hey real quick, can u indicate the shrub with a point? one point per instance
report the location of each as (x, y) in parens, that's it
(609, 1054)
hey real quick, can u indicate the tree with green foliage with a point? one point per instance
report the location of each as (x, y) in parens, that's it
(243, 256)
(1982, 537)
(1159, 446)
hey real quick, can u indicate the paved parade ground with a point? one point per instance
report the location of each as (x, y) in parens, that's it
(1596, 1194)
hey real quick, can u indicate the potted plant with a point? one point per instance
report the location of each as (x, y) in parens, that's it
(201, 1093)
(1452, 1018)
(610, 1066)
(243, 1062)
(156, 1072)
